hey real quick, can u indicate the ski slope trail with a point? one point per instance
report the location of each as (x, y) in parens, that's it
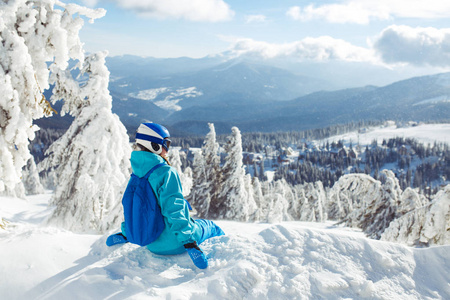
(290, 260)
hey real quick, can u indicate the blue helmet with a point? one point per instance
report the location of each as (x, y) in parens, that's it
(153, 136)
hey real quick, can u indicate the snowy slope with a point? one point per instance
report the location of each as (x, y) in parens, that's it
(424, 133)
(293, 260)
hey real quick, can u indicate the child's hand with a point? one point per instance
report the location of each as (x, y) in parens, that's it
(198, 257)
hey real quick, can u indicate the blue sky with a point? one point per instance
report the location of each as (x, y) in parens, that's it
(388, 32)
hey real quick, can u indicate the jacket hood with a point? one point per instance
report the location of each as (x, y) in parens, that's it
(143, 161)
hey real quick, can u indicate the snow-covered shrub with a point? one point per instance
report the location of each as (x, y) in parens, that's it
(429, 225)
(37, 36)
(91, 159)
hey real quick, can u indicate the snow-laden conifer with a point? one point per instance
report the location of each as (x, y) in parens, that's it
(251, 199)
(258, 197)
(381, 211)
(274, 208)
(175, 161)
(426, 225)
(350, 192)
(410, 199)
(37, 36)
(361, 201)
(234, 201)
(312, 198)
(91, 159)
(210, 151)
(30, 179)
(436, 230)
(199, 196)
(281, 207)
(206, 176)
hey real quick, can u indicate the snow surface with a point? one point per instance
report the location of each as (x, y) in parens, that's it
(167, 98)
(291, 260)
(424, 133)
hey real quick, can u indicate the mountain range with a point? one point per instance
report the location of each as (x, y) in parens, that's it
(185, 94)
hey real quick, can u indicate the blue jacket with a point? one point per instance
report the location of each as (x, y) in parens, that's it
(165, 182)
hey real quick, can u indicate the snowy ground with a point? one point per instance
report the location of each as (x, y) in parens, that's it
(424, 133)
(293, 260)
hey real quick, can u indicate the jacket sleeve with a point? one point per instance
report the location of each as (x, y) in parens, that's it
(174, 208)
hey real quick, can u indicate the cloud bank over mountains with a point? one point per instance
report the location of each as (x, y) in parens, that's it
(323, 48)
(417, 46)
(355, 31)
(429, 47)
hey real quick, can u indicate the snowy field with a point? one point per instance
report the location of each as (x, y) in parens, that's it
(424, 133)
(292, 260)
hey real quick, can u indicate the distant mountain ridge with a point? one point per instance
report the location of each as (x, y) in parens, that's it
(421, 99)
(185, 94)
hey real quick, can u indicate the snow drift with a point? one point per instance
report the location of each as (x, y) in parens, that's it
(290, 260)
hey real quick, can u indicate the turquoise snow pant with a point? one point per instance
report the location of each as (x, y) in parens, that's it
(209, 230)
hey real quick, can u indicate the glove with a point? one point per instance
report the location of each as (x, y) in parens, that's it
(196, 254)
(115, 239)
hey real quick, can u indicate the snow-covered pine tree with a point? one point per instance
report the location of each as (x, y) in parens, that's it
(91, 159)
(286, 199)
(312, 199)
(234, 202)
(33, 34)
(410, 200)
(199, 196)
(259, 197)
(30, 179)
(175, 161)
(349, 193)
(210, 150)
(436, 230)
(273, 208)
(361, 201)
(251, 197)
(426, 225)
(206, 175)
(378, 214)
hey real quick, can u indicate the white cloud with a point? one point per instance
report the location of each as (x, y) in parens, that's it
(323, 48)
(255, 19)
(418, 46)
(363, 11)
(352, 12)
(192, 10)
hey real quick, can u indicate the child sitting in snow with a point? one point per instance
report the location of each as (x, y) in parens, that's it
(181, 232)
